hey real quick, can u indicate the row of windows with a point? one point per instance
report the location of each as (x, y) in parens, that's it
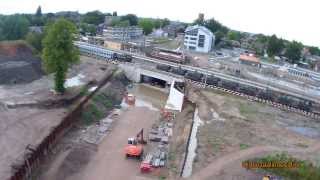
(201, 40)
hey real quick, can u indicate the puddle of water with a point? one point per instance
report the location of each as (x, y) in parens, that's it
(93, 88)
(187, 171)
(139, 103)
(75, 81)
(305, 131)
(215, 116)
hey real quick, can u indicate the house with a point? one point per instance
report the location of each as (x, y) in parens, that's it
(198, 38)
(159, 33)
(249, 60)
(36, 29)
(173, 29)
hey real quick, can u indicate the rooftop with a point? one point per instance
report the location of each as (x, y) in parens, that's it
(206, 30)
(250, 58)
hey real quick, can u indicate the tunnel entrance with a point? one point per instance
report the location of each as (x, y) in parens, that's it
(153, 81)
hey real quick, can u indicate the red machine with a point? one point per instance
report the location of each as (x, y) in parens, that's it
(134, 147)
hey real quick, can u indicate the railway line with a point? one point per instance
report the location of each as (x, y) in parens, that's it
(205, 72)
(301, 109)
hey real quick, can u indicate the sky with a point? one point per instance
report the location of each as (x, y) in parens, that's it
(290, 19)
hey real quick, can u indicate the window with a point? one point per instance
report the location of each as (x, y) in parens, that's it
(201, 40)
(192, 47)
(192, 32)
(186, 37)
(193, 38)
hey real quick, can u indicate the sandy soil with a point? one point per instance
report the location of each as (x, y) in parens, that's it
(236, 129)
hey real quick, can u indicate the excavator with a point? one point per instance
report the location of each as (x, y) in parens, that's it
(134, 147)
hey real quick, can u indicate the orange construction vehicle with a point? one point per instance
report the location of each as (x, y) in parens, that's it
(134, 147)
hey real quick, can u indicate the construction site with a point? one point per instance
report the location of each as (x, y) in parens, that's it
(128, 121)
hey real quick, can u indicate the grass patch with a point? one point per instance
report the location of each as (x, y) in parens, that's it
(247, 109)
(244, 146)
(161, 40)
(305, 170)
(84, 91)
(91, 114)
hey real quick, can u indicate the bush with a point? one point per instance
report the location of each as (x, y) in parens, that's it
(305, 171)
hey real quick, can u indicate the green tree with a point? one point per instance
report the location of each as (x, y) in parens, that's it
(234, 35)
(88, 28)
(156, 23)
(314, 50)
(132, 18)
(37, 20)
(39, 12)
(35, 39)
(293, 51)
(15, 27)
(215, 26)
(94, 17)
(275, 46)
(59, 53)
(146, 25)
(200, 20)
(165, 22)
(219, 35)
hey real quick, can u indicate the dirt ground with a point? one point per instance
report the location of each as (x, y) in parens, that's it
(106, 160)
(18, 64)
(236, 129)
(22, 123)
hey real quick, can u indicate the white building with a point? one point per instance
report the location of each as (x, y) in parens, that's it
(198, 38)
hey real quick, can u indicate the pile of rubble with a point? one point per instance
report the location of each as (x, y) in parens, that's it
(95, 133)
(159, 135)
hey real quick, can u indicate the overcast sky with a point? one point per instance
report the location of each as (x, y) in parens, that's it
(290, 19)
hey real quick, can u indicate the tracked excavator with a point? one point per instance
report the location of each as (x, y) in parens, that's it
(134, 147)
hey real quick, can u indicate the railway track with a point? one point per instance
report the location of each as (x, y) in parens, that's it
(250, 98)
(256, 99)
(215, 73)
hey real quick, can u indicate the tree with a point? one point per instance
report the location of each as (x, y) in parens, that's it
(275, 46)
(234, 35)
(39, 12)
(132, 18)
(215, 26)
(114, 13)
(37, 20)
(15, 27)
(88, 28)
(146, 25)
(314, 50)
(165, 22)
(94, 17)
(219, 35)
(35, 40)
(200, 19)
(293, 51)
(59, 53)
(156, 23)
